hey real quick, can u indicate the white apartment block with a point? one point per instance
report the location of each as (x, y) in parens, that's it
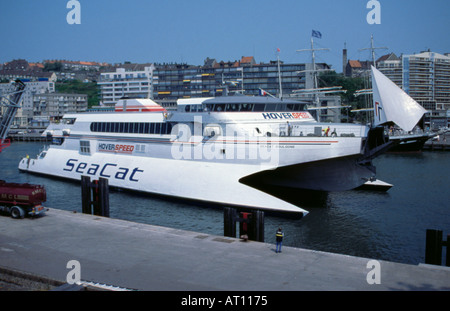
(55, 105)
(424, 76)
(25, 114)
(126, 82)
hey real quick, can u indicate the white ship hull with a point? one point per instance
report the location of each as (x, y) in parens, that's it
(210, 178)
(214, 150)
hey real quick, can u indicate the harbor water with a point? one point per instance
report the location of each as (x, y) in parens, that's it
(381, 225)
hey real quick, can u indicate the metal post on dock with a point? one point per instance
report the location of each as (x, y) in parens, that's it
(86, 195)
(229, 222)
(433, 248)
(257, 226)
(95, 196)
(447, 252)
(251, 224)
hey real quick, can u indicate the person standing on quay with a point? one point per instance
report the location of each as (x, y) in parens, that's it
(279, 239)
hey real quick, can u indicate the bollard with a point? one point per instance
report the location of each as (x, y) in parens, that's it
(95, 196)
(257, 226)
(433, 247)
(251, 225)
(229, 222)
(244, 225)
(103, 197)
(86, 195)
(447, 252)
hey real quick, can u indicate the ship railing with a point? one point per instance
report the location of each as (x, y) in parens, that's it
(321, 130)
(399, 132)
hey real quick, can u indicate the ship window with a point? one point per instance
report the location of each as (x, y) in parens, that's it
(157, 128)
(135, 128)
(85, 146)
(281, 107)
(246, 107)
(140, 148)
(208, 107)
(232, 107)
(169, 128)
(294, 107)
(258, 107)
(271, 107)
(68, 120)
(219, 107)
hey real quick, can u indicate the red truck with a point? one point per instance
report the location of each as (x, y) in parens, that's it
(20, 200)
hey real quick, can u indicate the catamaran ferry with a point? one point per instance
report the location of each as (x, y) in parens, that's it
(217, 150)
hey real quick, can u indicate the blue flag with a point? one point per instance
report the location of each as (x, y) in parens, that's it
(316, 34)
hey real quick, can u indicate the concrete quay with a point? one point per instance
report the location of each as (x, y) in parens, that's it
(152, 258)
(443, 144)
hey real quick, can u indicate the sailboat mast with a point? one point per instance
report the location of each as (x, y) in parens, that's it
(316, 94)
(372, 49)
(279, 74)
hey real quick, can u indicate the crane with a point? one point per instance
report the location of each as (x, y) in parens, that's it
(11, 101)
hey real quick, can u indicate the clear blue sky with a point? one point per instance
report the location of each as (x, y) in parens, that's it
(190, 30)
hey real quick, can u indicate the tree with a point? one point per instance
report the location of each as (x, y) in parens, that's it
(78, 87)
(56, 66)
(351, 85)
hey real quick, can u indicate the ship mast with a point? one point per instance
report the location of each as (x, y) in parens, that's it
(368, 91)
(314, 69)
(315, 91)
(279, 74)
(372, 49)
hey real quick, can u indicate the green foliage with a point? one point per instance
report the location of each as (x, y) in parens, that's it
(78, 87)
(331, 78)
(351, 85)
(57, 66)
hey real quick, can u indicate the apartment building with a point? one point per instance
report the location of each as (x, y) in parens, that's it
(33, 88)
(55, 105)
(426, 78)
(128, 80)
(166, 83)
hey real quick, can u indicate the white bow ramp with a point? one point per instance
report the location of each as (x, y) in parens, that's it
(392, 104)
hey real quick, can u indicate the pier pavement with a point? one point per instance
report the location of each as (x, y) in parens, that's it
(147, 257)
